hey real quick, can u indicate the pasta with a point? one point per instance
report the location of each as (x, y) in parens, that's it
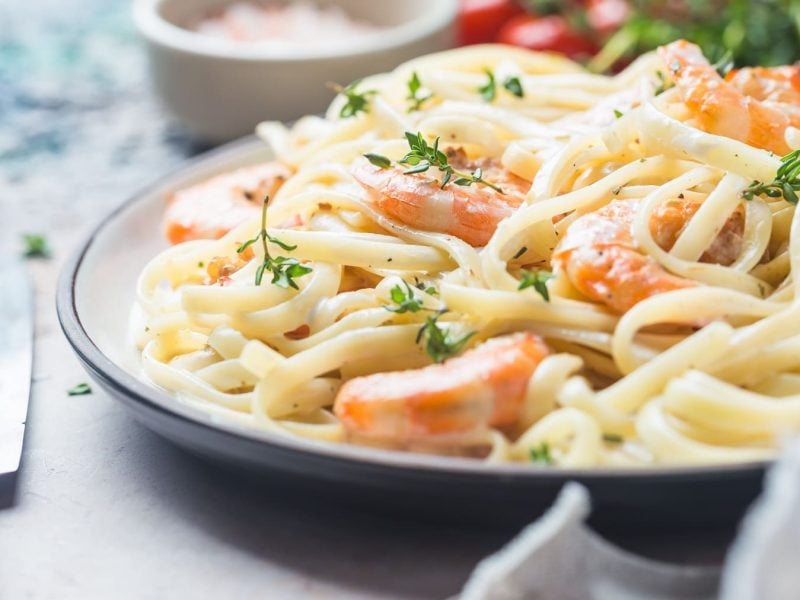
(684, 351)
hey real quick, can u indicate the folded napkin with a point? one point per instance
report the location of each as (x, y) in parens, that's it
(559, 558)
(764, 561)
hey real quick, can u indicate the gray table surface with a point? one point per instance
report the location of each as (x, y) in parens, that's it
(104, 508)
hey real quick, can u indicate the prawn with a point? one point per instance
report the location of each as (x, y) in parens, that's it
(599, 256)
(469, 213)
(453, 403)
(754, 105)
(212, 208)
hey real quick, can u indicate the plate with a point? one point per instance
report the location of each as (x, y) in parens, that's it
(96, 292)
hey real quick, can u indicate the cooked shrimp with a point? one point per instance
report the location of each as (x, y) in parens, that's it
(754, 106)
(212, 208)
(454, 403)
(470, 213)
(599, 256)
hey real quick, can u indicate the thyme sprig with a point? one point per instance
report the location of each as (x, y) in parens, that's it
(284, 269)
(488, 90)
(423, 156)
(437, 342)
(786, 182)
(405, 299)
(417, 95)
(541, 454)
(355, 101)
(538, 281)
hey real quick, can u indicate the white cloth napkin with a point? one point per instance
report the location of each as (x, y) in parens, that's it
(559, 558)
(764, 562)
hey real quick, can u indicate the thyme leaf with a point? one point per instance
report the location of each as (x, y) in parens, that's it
(785, 184)
(422, 156)
(284, 269)
(437, 342)
(405, 300)
(541, 454)
(417, 95)
(538, 281)
(35, 246)
(355, 102)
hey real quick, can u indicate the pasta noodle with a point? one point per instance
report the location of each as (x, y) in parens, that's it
(705, 371)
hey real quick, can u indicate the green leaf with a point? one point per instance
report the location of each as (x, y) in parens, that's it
(538, 281)
(416, 95)
(437, 341)
(379, 160)
(618, 113)
(488, 90)
(356, 102)
(35, 246)
(514, 85)
(420, 168)
(82, 389)
(541, 454)
(405, 300)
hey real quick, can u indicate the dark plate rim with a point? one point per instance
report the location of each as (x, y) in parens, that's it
(148, 396)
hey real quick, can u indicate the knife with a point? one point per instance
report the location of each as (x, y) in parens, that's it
(16, 360)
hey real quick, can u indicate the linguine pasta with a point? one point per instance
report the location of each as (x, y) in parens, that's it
(706, 373)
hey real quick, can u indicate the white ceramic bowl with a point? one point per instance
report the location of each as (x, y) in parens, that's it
(221, 89)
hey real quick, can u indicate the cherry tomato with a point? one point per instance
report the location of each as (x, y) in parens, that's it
(551, 33)
(606, 16)
(480, 20)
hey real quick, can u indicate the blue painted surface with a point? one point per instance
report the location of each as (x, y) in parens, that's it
(79, 127)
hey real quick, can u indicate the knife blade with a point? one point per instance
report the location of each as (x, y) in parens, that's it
(16, 361)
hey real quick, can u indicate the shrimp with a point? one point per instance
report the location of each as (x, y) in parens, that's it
(470, 213)
(600, 258)
(754, 106)
(453, 404)
(212, 208)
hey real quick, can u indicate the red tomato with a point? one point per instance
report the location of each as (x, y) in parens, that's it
(551, 33)
(606, 16)
(480, 20)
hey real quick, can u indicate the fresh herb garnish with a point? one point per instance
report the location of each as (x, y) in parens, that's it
(725, 64)
(356, 102)
(36, 246)
(488, 90)
(378, 160)
(420, 285)
(422, 157)
(613, 438)
(538, 281)
(417, 96)
(541, 454)
(82, 389)
(405, 300)
(786, 182)
(437, 341)
(284, 270)
(618, 113)
(514, 85)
